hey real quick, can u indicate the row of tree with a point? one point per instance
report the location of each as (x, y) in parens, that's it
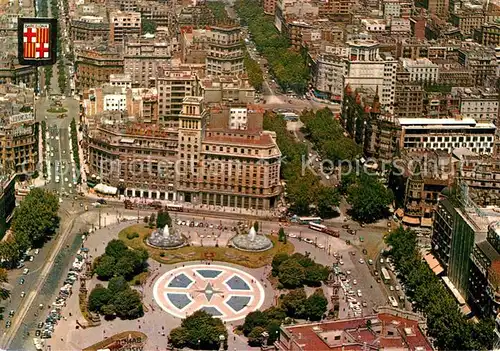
(294, 305)
(44, 141)
(218, 9)
(255, 75)
(117, 300)
(327, 135)
(289, 67)
(75, 146)
(119, 260)
(298, 270)
(304, 191)
(446, 324)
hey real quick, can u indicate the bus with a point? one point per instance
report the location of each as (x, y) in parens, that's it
(385, 275)
(324, 229)
(318, 227)
(307, 220)
(393, 301)
(176, 208)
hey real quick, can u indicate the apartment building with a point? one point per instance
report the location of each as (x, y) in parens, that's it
(89, 28)
(441, 105)
(468, 20)
(227, 89)
(201, 160)
(289, 10)
(11, 72)
(408, 100)
(480, 104)
(447, 134)
(480, 61)
(122, 24)
(19, 142)
(141, 103)
(481, 174)
(488, 34)
(143, 57)
(429, 172)
(173, 85)
(193, 45)
(421, 70)
(328, 76)
(7, 200)
(94, 67)
(225, 51)
(452, 73)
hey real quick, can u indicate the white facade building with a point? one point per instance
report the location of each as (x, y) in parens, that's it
(447, 134)
(392, 9)
(115, 102)
(421, 69)
(238, 118)
(329, 76)
(366, 68)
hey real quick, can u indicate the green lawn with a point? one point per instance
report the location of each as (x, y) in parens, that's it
(197, 253)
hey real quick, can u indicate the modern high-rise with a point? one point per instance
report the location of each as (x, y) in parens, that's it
(225, 50)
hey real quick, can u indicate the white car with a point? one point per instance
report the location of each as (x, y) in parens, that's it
(359, 293)
(391, 288)
(321, 246)
(307, 240)
(354, 282)
(291, 235)
(348, 272)
(361, 261)
(341, 262)
(26, 271)
(381, 260)
(37, 251)
(397, 288)
(32, 258)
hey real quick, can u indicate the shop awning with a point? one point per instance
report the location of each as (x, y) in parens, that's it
(106, 189)
(400, 212)
(433, 264)
(411, 220)
(426, 222)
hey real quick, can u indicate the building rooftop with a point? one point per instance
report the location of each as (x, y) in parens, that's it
(387, 331)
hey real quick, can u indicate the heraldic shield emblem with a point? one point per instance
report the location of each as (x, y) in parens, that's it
(37, 41)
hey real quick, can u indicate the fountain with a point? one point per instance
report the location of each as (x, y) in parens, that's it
(166, 238)
(252, 241)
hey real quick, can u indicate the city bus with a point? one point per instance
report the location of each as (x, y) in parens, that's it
(176, 208)
(307, 220)
(385, 275)
(324, 229)
(393, 301)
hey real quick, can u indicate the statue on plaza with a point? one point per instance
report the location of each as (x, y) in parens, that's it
(252, 234)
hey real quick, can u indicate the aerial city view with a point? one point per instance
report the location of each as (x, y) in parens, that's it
(249, 175)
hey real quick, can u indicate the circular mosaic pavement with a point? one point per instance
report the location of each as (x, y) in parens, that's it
(224, 292)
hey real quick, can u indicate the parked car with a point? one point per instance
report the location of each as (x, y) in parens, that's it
(21, 281)
(26, 271)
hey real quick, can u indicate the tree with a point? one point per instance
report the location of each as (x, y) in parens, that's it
(105, 267)
(254, 319)
(255, 337)
(116, 248)
(125, 266)
(278, 259)
(163, 219)
(127, 304)
(294, 303)
(152, 220)
(281, 234)
(291, 274)
(315, 274)
(199, 330)
(327, 200)
(179, 337)
(369, 199)
(316, 305)
(99, 297)
(36, 219)
(4, 279)
(148, 26)
(117, 284)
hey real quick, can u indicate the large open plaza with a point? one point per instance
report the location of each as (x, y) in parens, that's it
(173, 291)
